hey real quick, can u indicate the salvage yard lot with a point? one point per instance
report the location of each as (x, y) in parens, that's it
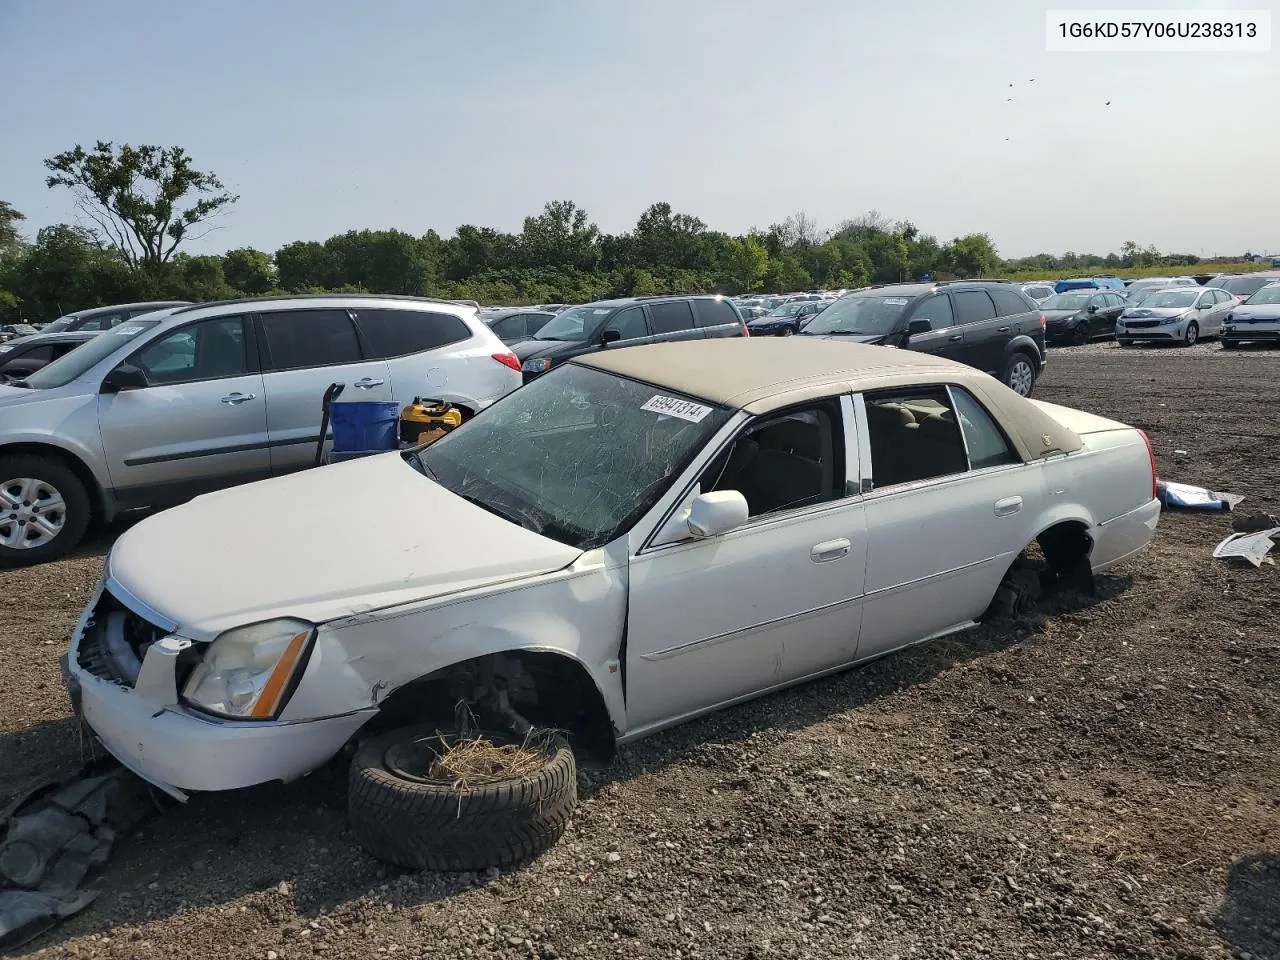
(1100, 780)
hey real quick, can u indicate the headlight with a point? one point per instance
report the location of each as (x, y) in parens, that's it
(539, 365)
(248, 672)
(1178, 319)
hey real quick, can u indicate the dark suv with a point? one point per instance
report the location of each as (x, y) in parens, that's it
(626, 323)
(990, 325)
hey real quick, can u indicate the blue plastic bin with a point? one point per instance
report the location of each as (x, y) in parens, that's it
(364, 426)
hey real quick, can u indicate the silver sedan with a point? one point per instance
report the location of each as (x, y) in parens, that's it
(1175, 314)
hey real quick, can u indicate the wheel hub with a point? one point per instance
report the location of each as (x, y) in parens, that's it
(32, 513)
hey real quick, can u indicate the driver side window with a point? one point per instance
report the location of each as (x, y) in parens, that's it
(937, 310)
(207, 350)
(629, 324)
(783, 462)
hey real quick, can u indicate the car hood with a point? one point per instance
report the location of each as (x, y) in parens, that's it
(1258, 311)
(1147, 313)
(321, 544)
(1059, 315)
(533, 347)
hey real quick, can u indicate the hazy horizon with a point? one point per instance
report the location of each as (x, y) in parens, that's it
(325, 118)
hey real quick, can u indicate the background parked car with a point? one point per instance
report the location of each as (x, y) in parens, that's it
(1039, 291)
(986, 324)
(1244, 285)
(24, 357)
(1141, 287)
(12, 331)
(786, 319)
(750, 313)
(627, 322)
(177, 403)
(1257, 319)
(515, 324)
(1078, 316)
(1175, 314)
(1088, 283)
(104, 318)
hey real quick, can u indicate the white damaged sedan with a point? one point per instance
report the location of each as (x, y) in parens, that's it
(637, 538)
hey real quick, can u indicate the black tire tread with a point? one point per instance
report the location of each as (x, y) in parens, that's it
(432, 826)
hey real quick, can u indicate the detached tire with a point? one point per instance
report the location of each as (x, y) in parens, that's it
(422, 823)
(44, 510)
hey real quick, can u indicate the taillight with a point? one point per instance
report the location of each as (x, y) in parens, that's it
(508, 359)
(1151, 454)
(745, 331)
(1044, 324)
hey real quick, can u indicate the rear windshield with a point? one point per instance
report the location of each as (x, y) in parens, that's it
(1244, 286)
(74, 364)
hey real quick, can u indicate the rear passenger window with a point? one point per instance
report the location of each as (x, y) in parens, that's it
(309, 338)
(913, 436)
(671, 317)
(973, 306)
(1010, 303)
(398, 333)
(714, 313)
(986, 444)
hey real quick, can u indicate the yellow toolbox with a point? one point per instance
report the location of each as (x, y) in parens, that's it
(425, 421)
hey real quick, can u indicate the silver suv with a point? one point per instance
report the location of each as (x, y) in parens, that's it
(180, 402)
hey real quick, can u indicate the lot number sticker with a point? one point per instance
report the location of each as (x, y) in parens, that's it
(673, 407)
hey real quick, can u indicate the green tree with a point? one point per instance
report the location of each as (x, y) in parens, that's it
(134, 194)
(305, 264)
(66, 269)
(973, 255)
(746, 261)
(665, 241)
(560, 237)
(10, 239)
(249, 271)
(383, 261)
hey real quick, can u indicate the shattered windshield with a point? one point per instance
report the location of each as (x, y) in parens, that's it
(578, 455)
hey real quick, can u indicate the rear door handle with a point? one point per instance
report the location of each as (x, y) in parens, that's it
(956, 336)
(368, 383)
(1002, 329)
(1008, 506)
(829, 550)
(235, 398)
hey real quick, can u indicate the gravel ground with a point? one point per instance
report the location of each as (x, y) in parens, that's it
(1098, 781)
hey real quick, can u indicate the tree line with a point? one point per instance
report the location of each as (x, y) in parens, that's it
(140, 205)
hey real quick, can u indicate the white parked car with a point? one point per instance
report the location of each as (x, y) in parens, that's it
(178, 402)
(637, 538)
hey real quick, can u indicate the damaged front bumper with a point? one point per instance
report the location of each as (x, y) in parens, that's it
(141, 721)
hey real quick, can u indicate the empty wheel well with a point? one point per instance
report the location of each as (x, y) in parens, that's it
(97, 497)
(1064, 544)
(547, 689)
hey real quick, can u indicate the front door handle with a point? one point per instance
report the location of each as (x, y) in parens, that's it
(235, 398)
(829, 550)
(1008, 506)
(368, 383)
(956, 336)
(1002, 329)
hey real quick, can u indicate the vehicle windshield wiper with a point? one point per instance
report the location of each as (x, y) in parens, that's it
(422, 465)
(10, 381)
(520, 520)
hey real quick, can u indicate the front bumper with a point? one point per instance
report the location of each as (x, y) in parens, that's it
(147, 729)
(1168, 331)
(1264, 332)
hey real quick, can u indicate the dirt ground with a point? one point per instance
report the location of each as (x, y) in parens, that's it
(1100, 781)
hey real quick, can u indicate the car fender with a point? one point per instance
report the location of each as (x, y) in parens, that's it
(578, 613)
(89, 457)
(1021, 343)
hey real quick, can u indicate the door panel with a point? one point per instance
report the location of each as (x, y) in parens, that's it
(716, 619)
(983, 343)
(304, 351)
(946, 339)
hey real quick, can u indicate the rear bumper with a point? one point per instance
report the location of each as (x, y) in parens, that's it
(1118, 539)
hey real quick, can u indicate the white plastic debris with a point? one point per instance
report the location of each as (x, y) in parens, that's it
(1252, 547)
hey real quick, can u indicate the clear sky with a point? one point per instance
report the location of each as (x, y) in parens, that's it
(328, 115)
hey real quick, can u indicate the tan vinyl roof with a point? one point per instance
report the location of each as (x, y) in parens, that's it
(761, 374)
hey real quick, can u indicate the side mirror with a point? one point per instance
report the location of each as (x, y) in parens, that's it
(1093, 308)
(124, 377)
(610, 336)
(919, 325)
(712, 514)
